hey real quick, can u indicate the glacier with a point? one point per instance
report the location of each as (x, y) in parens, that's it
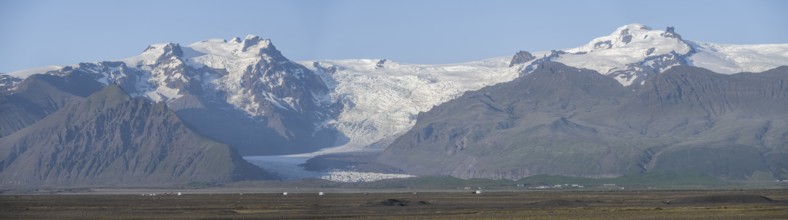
(383, 101)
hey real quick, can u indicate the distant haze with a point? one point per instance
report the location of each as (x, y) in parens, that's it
(41, 33)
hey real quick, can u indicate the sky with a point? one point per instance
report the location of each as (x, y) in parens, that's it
(35, 33)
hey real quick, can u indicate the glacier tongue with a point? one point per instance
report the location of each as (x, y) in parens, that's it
(383, 99)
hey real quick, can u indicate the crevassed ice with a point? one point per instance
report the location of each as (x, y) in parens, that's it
(382, 103)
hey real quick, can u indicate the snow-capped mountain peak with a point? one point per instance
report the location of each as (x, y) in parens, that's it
(168, 49)
(635, 41)
(249, 47)
(634, 51)
(212, 53)
(630, 52)
(235, 53)
(631, 37)
(154, 53)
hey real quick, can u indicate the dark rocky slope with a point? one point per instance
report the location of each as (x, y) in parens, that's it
(561, 120)
(111, 139)
(40, 95)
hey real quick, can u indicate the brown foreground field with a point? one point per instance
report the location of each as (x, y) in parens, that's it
(717, 204)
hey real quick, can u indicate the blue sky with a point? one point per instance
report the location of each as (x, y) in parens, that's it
(38, 33)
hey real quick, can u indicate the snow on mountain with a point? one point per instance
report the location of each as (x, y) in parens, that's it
(634, 51)
(149, 57)
(222, 65)
(21, 74)
(12, 78)
(240, 58)
(234, 55)
(214, 53)
(633, 42)
(729, 59)
(382, 98)
(628, 44)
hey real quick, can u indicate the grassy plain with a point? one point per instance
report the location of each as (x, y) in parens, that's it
(526, 204)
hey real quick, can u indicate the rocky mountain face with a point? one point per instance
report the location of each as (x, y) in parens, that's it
(112, 139)
(562, 120)
(521, 57)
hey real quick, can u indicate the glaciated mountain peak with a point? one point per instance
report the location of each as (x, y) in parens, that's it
(634, 51)
(630, 52)
(625, 34)
(628, 38)
(167, 49)
(155, 53)
(251, 46)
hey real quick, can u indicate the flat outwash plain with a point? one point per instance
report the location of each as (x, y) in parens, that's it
(655, 204)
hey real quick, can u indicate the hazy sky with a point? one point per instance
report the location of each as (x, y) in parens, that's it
(39, 33)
